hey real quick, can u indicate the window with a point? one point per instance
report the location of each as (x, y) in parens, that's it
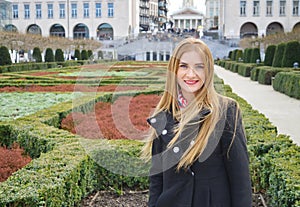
(50, 11)
(243, 8)
(217, 10)
(26, 11)
(269, 7)
(211, 12)
(74, 10)
(110, 7)
(3, 11)
(282, 8)
(15, 11)
(296, 7)
(98, 9)
(62, 11)
(38, 11)
(86, 10)
(255, 8)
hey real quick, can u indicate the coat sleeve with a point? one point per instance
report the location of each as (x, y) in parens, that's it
(156, 175)
(236, 159)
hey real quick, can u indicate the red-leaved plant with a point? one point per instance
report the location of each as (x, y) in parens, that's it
(11, 160)
(124, 119)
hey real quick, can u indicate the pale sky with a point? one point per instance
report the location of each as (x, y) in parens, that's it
(177, 4)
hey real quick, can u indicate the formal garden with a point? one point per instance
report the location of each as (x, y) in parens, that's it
(71, 131)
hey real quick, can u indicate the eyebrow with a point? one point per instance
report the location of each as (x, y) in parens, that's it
(202, 64)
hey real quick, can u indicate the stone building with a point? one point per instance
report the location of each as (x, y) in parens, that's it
(244, 18)
(97, 19)
(187, 17)
(162, 14)
(5, 14)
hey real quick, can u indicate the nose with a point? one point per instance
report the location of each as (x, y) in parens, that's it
(190, 72)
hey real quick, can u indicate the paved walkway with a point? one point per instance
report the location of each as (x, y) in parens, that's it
(282, 111)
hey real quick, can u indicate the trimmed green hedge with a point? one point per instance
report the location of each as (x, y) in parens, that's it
(42, 65)
(277, 60)
(267, 73)
(66, 166)
(288, 83)
(245, 69)
(255, 55)
(274, 159)
(270, 52)
(291, 54)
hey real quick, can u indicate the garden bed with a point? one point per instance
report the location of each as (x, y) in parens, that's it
(137, 199)
(70, 88)
(124, 119)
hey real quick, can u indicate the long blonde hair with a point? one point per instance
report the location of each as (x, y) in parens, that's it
(206, 97)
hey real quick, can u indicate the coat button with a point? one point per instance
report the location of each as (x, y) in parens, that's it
(176, 149)
(153, 120)
(164, 132)
(192, 142)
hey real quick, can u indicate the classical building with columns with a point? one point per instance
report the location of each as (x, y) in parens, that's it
(243, 18)
(187, 17)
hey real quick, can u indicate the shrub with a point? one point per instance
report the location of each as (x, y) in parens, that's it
(77, 54)
(291, 54)
(59, 55)
(245, 69)
(5, 56)
(288, 83)
(11, 160)
(233, 55)
(49, 57)
(277, 60)
(270, 52)
(230, 55)
(254, 74)
(84, 55)
(100, 54)
(90, 53)
(37, 56)
(255, 55)
(239, 55)
(80, 123)
(247, 55)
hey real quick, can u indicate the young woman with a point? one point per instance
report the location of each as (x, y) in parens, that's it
(197, 145)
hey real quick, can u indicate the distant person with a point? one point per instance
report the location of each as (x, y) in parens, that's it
(197, 144)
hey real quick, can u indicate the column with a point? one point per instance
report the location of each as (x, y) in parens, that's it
(151, 55)
(165, 56)
(145, 56)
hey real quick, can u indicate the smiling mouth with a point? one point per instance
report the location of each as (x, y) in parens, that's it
(191, 82)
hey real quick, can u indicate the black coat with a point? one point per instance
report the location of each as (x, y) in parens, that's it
(220, 178)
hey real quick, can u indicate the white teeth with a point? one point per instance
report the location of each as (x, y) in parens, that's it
(191, 81)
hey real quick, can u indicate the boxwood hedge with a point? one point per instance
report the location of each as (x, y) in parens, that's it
(288, 83)
(66, 167)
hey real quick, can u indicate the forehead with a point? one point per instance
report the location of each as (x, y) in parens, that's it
(191, 57)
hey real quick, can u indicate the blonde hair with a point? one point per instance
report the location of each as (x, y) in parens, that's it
(206, 97)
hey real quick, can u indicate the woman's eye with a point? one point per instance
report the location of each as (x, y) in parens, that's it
(183, 66)
(199, 67)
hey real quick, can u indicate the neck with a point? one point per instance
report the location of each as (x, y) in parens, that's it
(188, 96)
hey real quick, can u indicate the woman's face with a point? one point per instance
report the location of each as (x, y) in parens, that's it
(190, 73)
